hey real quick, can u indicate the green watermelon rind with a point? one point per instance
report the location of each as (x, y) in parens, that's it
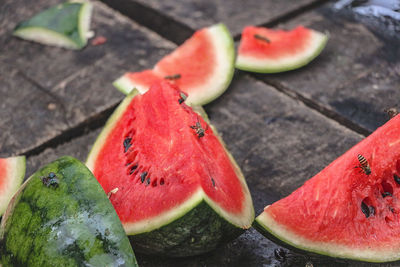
(147, 230)
(77, 208)
(14, 180)
(50, 37)
(224, 45)
(248, 64)
(294, 242)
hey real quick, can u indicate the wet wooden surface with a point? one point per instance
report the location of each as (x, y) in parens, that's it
(282, 128)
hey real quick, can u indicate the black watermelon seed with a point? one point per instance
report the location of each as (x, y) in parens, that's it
(386, 194)
(365, 209)
(133, 168)
(127, 143)
(280, 254)
(161, 181)
(143, 176)
(52, 175)
(147, 181)
(371, 210)
(396, 179)
(213, 182)
(391, 209)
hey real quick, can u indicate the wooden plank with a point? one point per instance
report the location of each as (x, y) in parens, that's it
(356, 76)
(50, 66)
(79, 81)
(197, 14)
(27, 114)
(278, 142)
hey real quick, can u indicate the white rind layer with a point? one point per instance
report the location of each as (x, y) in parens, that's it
(243, 220)
(15, 176)
(287, 236)
(126, 85)
(46, 37)
(315, 45)
(215, 85)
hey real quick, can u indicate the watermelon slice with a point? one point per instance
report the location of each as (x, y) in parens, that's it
(265, 50)
(351, 209)
(65, 25)
(176, 189)
(202, 67)
(12, 172)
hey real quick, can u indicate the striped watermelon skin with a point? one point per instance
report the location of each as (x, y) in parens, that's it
(61, 217)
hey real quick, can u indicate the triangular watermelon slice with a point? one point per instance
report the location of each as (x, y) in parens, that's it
(176, 189)
(202, 67)
(351, 209)
(12, 172)
(266, 50)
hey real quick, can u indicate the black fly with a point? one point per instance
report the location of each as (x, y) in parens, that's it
(50, 180)
(173, 77)
(182, 97)
(262, 38)
(200, 131)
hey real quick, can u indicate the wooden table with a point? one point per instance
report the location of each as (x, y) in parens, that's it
(282, 128)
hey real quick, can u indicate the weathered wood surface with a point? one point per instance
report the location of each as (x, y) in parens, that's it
(278, 142)
(71, 87)
(236, 14)
(357, 76)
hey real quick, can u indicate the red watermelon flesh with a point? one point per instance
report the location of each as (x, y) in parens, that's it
(193, 59)
(158, 159)
(202, 67)
(345, 211)
(12, 171)
(281, 43)
(267, 50)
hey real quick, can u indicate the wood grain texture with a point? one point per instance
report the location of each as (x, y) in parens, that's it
(235, 14)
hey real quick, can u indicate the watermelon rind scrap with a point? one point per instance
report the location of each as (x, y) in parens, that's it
(65, 25)
(253, 64)
(14, 179)
(214, 86)
(61, 216)
(172, 232)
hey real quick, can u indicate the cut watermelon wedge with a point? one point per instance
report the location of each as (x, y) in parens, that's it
(65, 25)
(180, 192)
(202, 67)
(12, 171)
(351, 209)
(265, 50)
